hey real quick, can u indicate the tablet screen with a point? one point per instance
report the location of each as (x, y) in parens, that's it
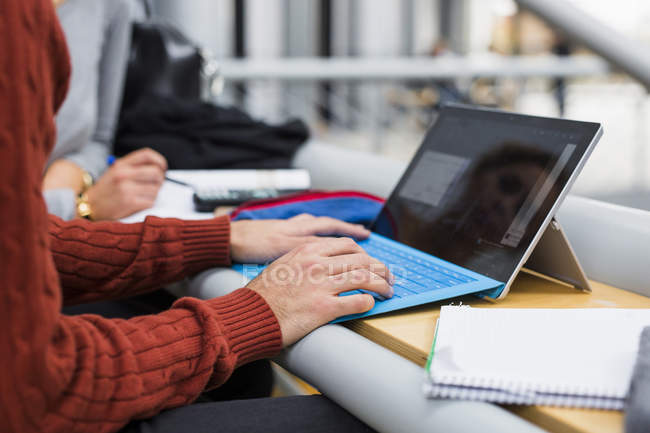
(481, 185)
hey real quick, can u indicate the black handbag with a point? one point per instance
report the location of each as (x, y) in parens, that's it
(165, 62)
(167, 77)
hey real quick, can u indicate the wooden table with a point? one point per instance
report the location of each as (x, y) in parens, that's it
(410, 334)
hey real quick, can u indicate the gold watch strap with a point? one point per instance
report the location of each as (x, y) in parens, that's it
(83, 207)
(87, 180)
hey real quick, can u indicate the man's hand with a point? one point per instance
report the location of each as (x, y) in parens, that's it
(130, 185)
(302, 287)
(260, 241)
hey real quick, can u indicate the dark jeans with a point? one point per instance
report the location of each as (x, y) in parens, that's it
(304, 414)
(239, 405)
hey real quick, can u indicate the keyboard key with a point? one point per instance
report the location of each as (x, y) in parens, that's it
(414, 287)
(401, 291)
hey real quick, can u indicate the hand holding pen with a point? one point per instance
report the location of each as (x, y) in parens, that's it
(129, 185)
(112, 159)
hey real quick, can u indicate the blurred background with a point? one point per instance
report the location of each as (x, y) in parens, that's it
(370, 74)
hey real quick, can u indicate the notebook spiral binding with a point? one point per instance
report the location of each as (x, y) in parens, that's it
(526, 386)
(525, 393)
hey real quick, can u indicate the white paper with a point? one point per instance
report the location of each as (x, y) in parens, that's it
(243, 179)
(173, 201)
(570, 352)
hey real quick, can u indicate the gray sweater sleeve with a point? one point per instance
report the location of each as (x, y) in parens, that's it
(61, 202)
(98, 34)
(92, 158)
(112, 68)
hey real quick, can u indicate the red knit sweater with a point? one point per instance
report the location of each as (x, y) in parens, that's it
(86, 373)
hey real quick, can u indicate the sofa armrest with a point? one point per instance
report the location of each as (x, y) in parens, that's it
(611, 242)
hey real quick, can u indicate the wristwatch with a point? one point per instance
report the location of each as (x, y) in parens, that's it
(83, 207)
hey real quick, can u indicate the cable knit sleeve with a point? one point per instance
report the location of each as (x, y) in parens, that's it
(99, 261)
(86, 373)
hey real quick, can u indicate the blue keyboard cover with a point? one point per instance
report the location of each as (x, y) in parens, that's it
(419, 277)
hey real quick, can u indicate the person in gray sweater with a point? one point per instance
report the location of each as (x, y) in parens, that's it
(78, 181)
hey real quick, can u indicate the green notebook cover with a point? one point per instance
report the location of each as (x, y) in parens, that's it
(433, 348)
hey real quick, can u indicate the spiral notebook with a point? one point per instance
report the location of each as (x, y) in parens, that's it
(556, 357)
